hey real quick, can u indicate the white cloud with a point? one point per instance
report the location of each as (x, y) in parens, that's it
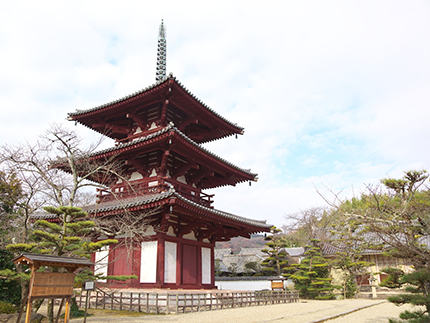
(330, 92)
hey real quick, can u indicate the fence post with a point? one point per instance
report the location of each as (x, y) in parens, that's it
(131, 301)
(167, 303)
(198, 302)
(156, 303)
(138, 303)
(177, 303)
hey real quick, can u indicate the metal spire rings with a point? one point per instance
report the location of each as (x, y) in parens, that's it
(161, 54)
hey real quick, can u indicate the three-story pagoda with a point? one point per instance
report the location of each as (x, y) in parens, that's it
(158, 133)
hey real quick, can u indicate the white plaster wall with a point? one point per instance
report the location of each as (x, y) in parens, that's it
(171, 232)
(148, 262)
(153, 183)
(206, 266)
(170, 251)
(249, 284)
(135, 176)
(190, 236)
(182, 179)
(150, 231)
(101, 262)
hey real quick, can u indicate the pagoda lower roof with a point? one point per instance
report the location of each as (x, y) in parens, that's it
(182, 96)
(144, 202)
(240, 173)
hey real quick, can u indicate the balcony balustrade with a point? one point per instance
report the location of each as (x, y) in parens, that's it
(148, 187)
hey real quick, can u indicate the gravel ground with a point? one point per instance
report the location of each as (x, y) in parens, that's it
(357, 310)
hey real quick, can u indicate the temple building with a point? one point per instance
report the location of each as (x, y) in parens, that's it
(158, 133)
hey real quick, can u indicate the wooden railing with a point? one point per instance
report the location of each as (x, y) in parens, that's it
(145, 188)
(124, 192)
(175, 303)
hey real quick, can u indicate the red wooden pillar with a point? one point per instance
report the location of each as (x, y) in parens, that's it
(213, 266)
(199, 266)
(179, 264)
(137, 254)
(111, 258)
(160, 263)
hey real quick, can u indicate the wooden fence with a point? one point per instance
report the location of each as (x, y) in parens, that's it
(169, 303)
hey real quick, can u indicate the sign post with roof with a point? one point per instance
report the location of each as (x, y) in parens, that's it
(49, 284)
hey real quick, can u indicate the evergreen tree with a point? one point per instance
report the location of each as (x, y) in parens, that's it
(10, 290)
(67, 235)
(10, 195)
(311, 276)
(396, 214)
(351, 241)
(417, 284)
(276, 263)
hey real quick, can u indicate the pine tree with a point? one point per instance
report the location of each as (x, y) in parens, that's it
(349, 237)
(311, 277)
(10, 290)
(67, 235)
(418, 286)
(396, 214)
(276, 263)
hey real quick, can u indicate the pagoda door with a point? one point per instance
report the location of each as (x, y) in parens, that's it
(189, 265)
(122, 264)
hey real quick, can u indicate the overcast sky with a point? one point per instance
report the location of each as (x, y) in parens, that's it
(332, 94)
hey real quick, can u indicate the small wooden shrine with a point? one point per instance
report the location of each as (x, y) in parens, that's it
(158, 132)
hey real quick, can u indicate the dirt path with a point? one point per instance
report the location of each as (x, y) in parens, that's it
(359, 310)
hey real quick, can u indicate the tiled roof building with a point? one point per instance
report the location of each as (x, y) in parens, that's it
(158, 132)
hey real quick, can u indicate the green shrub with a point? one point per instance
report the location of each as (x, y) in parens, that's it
(10, 290)
(7, 308)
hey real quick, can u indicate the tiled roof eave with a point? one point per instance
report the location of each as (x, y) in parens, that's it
(113, 104)
(136, 204)
(260, 224)
(159, 135)
(164, 198)
(207, 108)
(147, 90)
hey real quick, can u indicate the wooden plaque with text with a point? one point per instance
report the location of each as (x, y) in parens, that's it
(56, 285)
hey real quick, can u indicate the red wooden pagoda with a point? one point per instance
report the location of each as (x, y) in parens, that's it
(158, 132)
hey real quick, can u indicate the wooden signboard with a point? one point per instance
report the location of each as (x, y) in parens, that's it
(58, 285)
(50, 284)
(277, 285)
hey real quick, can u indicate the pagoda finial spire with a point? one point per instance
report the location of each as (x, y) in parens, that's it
(161, 54)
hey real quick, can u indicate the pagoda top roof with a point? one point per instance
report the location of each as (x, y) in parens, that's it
(165, 131)
(155, 91)
(145, 201)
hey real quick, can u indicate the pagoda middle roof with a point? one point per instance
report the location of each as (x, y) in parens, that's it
(245, 174)
(224, 127)
(154, 200)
